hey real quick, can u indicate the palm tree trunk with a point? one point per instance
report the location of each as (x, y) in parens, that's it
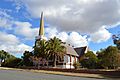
(54, 60)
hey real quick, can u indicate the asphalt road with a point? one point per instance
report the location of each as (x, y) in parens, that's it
(26, 75)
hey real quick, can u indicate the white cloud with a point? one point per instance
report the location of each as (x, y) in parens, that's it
(79, 15)
(15, 49)
(71, 17)
(5, 19)
(11, 44)
(101, 35)
(4, 23)
(25, 29)
(20, 48)
(83, 16)
(63, 36)
(8, 39)
(74, 38)
(20, 28)
(51, 32)
(77, 40)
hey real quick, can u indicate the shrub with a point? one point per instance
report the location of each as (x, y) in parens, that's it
(76, 65)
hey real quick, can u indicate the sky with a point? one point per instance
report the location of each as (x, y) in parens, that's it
(77, 22)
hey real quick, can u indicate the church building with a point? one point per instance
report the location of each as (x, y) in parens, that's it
(71, 56)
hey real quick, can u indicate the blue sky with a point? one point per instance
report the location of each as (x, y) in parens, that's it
(77, 22)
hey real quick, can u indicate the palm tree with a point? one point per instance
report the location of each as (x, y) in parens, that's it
(56, 49)
(40, 50)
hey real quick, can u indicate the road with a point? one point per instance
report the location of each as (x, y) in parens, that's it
(27, 75)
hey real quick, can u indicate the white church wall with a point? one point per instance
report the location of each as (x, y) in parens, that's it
(67, 61)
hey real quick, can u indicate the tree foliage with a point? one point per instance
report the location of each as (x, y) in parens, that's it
(56, 49)
(8, 60)
(12, 62)
(89, 61)
(26, 59)
(50, 50)
(4, 55)
(109, 57)
(41, 50)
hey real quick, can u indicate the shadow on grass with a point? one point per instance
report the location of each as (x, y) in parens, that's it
(111, 74)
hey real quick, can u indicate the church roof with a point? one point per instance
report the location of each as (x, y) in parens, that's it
(70, 50)
(80, 50)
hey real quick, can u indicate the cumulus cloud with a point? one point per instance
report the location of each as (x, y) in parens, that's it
(50, 33)
(83, 16)
(25, 29)
(20, 48)
(76, 40)
(77, 15)
(71, 18)
(20, 28)
(11, 43)
(15, 49)
(8, 39)
(63, 36)
(101, 35)
(73, 38)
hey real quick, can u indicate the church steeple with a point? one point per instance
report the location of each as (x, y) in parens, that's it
(41, 30)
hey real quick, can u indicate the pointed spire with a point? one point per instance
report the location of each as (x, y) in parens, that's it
(41, 30)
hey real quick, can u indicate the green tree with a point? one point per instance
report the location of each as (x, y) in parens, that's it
(90, 60)
(4, 56)
(100, 55)
(56, 49)
(26, 58)
(8, 60)
(109, 57)
(12, 62)
(41, 49)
